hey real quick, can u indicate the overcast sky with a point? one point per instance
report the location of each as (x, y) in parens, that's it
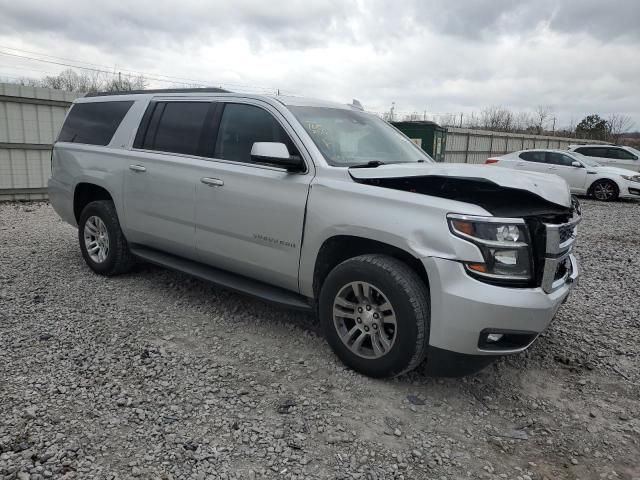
(578, 56)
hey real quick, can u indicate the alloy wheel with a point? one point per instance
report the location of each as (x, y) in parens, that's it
(96, 239)
(604, 191)
(365, 320)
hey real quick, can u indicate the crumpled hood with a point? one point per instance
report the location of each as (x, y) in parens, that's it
(550, 187)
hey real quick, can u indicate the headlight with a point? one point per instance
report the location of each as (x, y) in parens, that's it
(631, 178)
(505, 245)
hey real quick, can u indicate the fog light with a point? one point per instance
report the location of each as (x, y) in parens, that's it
(494, 337)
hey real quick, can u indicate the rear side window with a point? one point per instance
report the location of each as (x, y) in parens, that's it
(93, 123)
(243, 125)
(176, 127)
(592, 152)
(538, 157)
(556, 158)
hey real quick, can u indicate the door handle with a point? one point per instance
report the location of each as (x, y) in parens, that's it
(552, 168)
(519, 164)
(212, 182)
(137, 168)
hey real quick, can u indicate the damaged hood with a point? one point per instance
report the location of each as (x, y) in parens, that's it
(547, 186)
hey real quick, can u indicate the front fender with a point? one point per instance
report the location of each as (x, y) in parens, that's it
(412, 222)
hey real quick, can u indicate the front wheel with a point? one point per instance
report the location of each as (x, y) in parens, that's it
(374, 311)
(605, 190)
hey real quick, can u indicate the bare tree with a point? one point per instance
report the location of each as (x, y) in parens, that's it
(72, 81)
(497, 119)
(448, 120)
(618, 125)
(522, 122)
(542, 115)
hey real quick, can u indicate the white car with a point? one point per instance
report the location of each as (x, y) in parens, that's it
(611, 155)
(584, 175)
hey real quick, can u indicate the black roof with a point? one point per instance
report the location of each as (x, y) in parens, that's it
(160, 90)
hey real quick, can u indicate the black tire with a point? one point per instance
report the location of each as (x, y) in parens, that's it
(408, 295)
(601, 188)
(118, 259)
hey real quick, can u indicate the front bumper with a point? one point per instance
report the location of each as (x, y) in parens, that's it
(632, 190)
(463, 307)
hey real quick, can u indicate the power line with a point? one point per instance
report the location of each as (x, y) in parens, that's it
(103, 69)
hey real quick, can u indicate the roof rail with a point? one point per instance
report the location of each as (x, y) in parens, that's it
(160, 90)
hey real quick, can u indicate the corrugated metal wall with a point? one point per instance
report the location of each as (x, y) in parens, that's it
(30, 119)
(475, 146)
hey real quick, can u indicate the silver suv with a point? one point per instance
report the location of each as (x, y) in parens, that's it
(321, 207)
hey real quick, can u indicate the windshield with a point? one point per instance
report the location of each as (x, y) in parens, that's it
(586, 160)
(347, 137)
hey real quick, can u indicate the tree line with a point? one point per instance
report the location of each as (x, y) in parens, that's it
(540, 121)
(87, 82)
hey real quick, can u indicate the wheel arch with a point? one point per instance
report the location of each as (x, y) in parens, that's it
(85, 193)
(338, 248)
(603, 179)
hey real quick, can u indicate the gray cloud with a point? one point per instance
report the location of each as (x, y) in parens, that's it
(295, 24)
(488, 19)
(446, 56)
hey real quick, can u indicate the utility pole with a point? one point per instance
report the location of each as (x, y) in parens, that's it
(553, 129)
(424, 115)
(391, 112)
(460, 119)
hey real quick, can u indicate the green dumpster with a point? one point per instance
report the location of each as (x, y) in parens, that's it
(429, 136)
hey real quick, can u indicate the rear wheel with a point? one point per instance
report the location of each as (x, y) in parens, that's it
(605, 190)
(102, 242)
(374, 311)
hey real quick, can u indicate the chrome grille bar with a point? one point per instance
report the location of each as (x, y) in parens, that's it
(559, 244)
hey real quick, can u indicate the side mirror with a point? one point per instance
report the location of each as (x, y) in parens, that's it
(276, 153)
(576, 164)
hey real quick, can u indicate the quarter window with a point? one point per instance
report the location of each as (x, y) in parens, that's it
(93, 123)
(537, 157)
(241, 126)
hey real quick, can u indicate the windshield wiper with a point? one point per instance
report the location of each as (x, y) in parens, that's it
(369, 164)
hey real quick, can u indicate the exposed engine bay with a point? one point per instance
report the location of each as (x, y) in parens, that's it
(498, 200)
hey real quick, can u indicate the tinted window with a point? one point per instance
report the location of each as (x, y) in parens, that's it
(592, 151)
(93, 123)
(620, 153)
(538, 157)
(177, 127)
(559, 159)
(243, 125)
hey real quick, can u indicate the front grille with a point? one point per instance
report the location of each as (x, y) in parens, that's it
(566, 232)
(563, 269)
(553, 241)
(557, 267)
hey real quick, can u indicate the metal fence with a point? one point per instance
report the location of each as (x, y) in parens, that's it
(30, 119)
(475, 146)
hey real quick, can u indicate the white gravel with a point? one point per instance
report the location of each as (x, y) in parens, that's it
(157, 375)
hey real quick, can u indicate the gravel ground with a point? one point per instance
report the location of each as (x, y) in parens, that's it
(157, 375)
